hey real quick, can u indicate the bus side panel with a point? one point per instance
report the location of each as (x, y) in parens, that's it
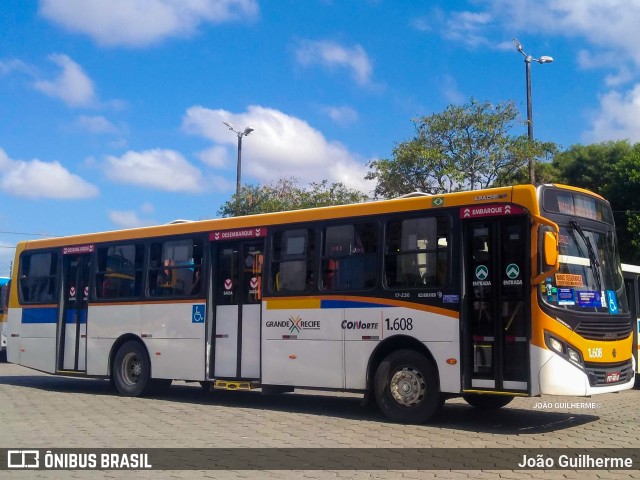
(176, 358)
(105, 324)
(439, 333)
(36, 344)
(303, 347)
(175, 337)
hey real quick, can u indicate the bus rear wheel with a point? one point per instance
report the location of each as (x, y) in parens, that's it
(487, 402)
(406, 387)
(131, 373)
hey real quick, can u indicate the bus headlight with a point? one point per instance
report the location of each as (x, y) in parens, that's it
(574, 356)
(563, 349)
(555, 344)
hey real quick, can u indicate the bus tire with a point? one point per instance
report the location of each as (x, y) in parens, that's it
(132, 370)
(406, 387)
(487, 402)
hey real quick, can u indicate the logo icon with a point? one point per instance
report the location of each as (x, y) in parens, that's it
(23, 459)
(295, 324)
(228, 284)
(253, 283)
(482, 272)
(513, 271)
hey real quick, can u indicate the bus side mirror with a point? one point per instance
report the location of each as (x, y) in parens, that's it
(550, 248)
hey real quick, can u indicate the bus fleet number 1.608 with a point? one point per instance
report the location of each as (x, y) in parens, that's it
(399, 323)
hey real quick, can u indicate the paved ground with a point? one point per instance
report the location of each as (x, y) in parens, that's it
(43, 411)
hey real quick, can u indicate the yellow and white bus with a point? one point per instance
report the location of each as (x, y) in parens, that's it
(491, 294)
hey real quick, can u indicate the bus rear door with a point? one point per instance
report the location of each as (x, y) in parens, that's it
(72, 329)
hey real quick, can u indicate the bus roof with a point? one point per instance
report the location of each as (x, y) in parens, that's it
(524, 195)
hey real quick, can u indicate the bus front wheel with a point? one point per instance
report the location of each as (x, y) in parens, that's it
(131, 372)
(406, 387)
(487, 402)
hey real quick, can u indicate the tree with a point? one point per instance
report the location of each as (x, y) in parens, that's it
(465, 147)
(287, 194)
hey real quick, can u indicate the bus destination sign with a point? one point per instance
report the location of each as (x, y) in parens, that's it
(490, 211)
(238, 234)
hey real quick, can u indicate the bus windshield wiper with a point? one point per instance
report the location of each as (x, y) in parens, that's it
(593, 259)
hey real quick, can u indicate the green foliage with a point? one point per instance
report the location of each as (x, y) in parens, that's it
(287, 194)
(463, 148)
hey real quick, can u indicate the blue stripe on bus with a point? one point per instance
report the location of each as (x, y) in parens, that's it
(50, 315)
(349, 304)
(40, 315)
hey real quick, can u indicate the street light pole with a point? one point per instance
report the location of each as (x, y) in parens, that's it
(527, 62)
(240, 134)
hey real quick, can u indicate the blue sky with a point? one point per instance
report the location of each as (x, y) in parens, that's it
(111, 110)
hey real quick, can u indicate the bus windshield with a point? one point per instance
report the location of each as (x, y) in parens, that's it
(589, 278)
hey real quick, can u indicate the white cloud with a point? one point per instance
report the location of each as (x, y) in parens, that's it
(618, 117)
(141, 23)
(38, 179)
(97, 124)
(128, 219)
(468, 28)
(333, 55)
(214, 157)
(280, 146)
(14, 65)
(342, 115)
(158, 169)
(72, 86)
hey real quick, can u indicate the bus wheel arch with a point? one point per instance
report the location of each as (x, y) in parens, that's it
(403, 378)
(130, 369)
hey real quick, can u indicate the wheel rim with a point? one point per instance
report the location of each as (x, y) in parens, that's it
(132, 369)
(407, 386)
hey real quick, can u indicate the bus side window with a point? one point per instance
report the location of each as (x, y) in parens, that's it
(37, 279)
(292, 261)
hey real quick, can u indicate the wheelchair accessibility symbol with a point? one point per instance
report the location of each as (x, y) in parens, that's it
(198, 314)
(612, 302)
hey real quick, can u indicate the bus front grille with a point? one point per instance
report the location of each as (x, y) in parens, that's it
(609, 330)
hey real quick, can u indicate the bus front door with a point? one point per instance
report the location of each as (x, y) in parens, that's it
(72, 328)
(496, 319)
(237, 295)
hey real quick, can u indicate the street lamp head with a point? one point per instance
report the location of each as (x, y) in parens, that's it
(517, 43)
(229, 125)
(247, 131)
(545, 59)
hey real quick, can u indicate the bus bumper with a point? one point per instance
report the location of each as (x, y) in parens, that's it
(558, 376)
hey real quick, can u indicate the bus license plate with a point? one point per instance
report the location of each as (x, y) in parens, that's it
(612, 377)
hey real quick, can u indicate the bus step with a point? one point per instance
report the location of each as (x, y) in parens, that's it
(234, 385)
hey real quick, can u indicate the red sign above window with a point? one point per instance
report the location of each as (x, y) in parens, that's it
(239, 234)
(78, 249)
(490, 211)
